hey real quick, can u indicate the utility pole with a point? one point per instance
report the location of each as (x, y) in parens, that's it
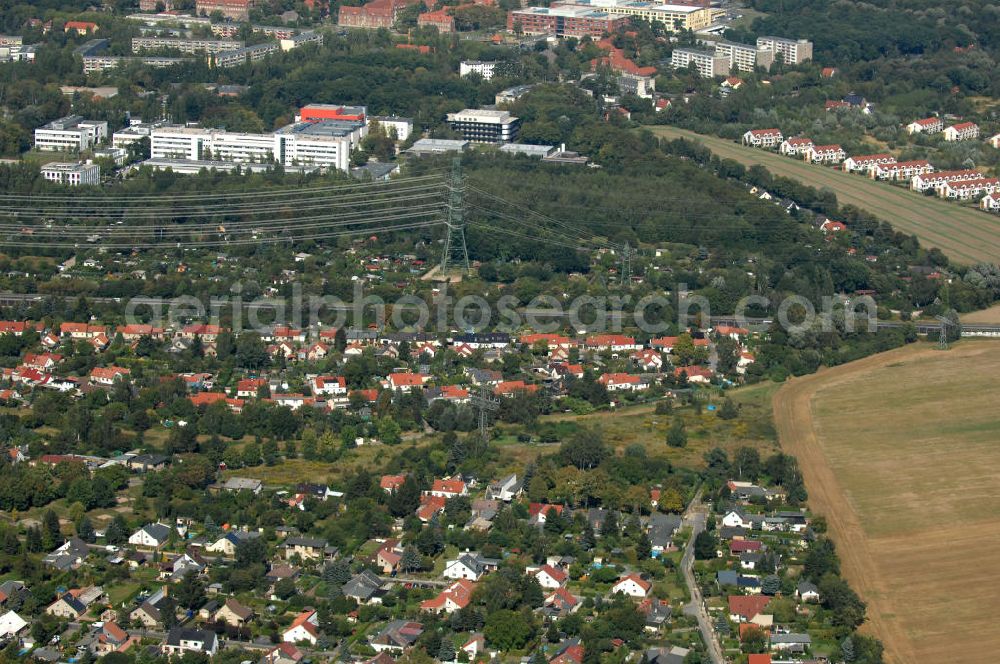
(943, 332)
(455, 249)
(484, 404)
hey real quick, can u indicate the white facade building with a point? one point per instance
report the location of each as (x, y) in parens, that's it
(402, 126)
(72, 174)
(485, 125)
(326, 143)
(484, 69)
(70, 134)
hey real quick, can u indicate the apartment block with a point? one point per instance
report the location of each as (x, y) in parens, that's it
(92, 63)
(763, 138)
(485, 126)
(140, 44)
(824, 154)
(706, 62)
(963, 131)
(565, 21)
(244, 55)
(70, 134)
(793, 51)
(926, 181)
(745, 57)
(925, 126)
(72, 174)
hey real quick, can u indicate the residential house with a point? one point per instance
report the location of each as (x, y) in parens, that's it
(307, 548)
(329, 386)
(182, 640)
(449, 487)
(616, 343)
(901, 170)
(151, 536)
(106, 376)
(647, 359)
(391, 483)
(632, 585)
(69, 555)
(389, 555)
(283, 653)
(560, 602)
(470, 566)
(825, 154)
(238, 484)
(233, 613)
(226, 545)
(404, 381)
(763, 138)
(795, 147)
(550, 577)
(925, 126)
(505, 489)
(807, 592)
(622, 382)
(963, 131)
(743, 608)
(790, 642)
(364, 587)
(990, 203)
(656, 612)
(110, 637)
(453, 598)
(865, 163)
(304, 629)
(397, 636)
(67, 606)
(11, 624)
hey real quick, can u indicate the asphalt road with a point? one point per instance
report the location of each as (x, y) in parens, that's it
(696, 516)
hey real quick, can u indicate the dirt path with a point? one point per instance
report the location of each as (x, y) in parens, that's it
(794, 421)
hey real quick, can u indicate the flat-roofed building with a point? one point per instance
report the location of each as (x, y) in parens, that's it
(745, 57)
(674, 17)
(70, 134)
(485, 125)
(565, 21)
(706, 62)
(72, 174)
(793, 51)
(140, 44)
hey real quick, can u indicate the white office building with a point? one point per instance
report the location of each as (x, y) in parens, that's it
(484, 69)
(485, 125)
(72, 174)
(327, 143)
(70, 134)
(794, 51)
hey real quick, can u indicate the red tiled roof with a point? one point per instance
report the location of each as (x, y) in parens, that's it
(747, 606)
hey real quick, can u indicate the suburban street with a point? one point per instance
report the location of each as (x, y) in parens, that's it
(695, 516)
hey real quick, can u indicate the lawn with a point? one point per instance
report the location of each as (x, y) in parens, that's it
(899, 453)
(966, 235)
(641, 425)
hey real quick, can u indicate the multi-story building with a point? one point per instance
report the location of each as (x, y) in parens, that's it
(317, 112)
(990, 203)
(11, 40)
(925, 126)
(443, 19)
(92, 63)
(674, 17)
(136, 131)
(237, 10)
(706, 62)
(926, 181)
(72, 174)
(301, 39)
(70, 134)
(965, 189)
(634, 84)
(185, 45)
(745, 57)
(565, 21)
(375, 14)
(484, 69)
(795, 147)
(323, 143)
(963, 131)
(402, 126)
(154, 5)
(485, 126)
(901, 170)
(244, 55)
(793, 51)
(824, 154)
(865, 163)
(763, 138)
